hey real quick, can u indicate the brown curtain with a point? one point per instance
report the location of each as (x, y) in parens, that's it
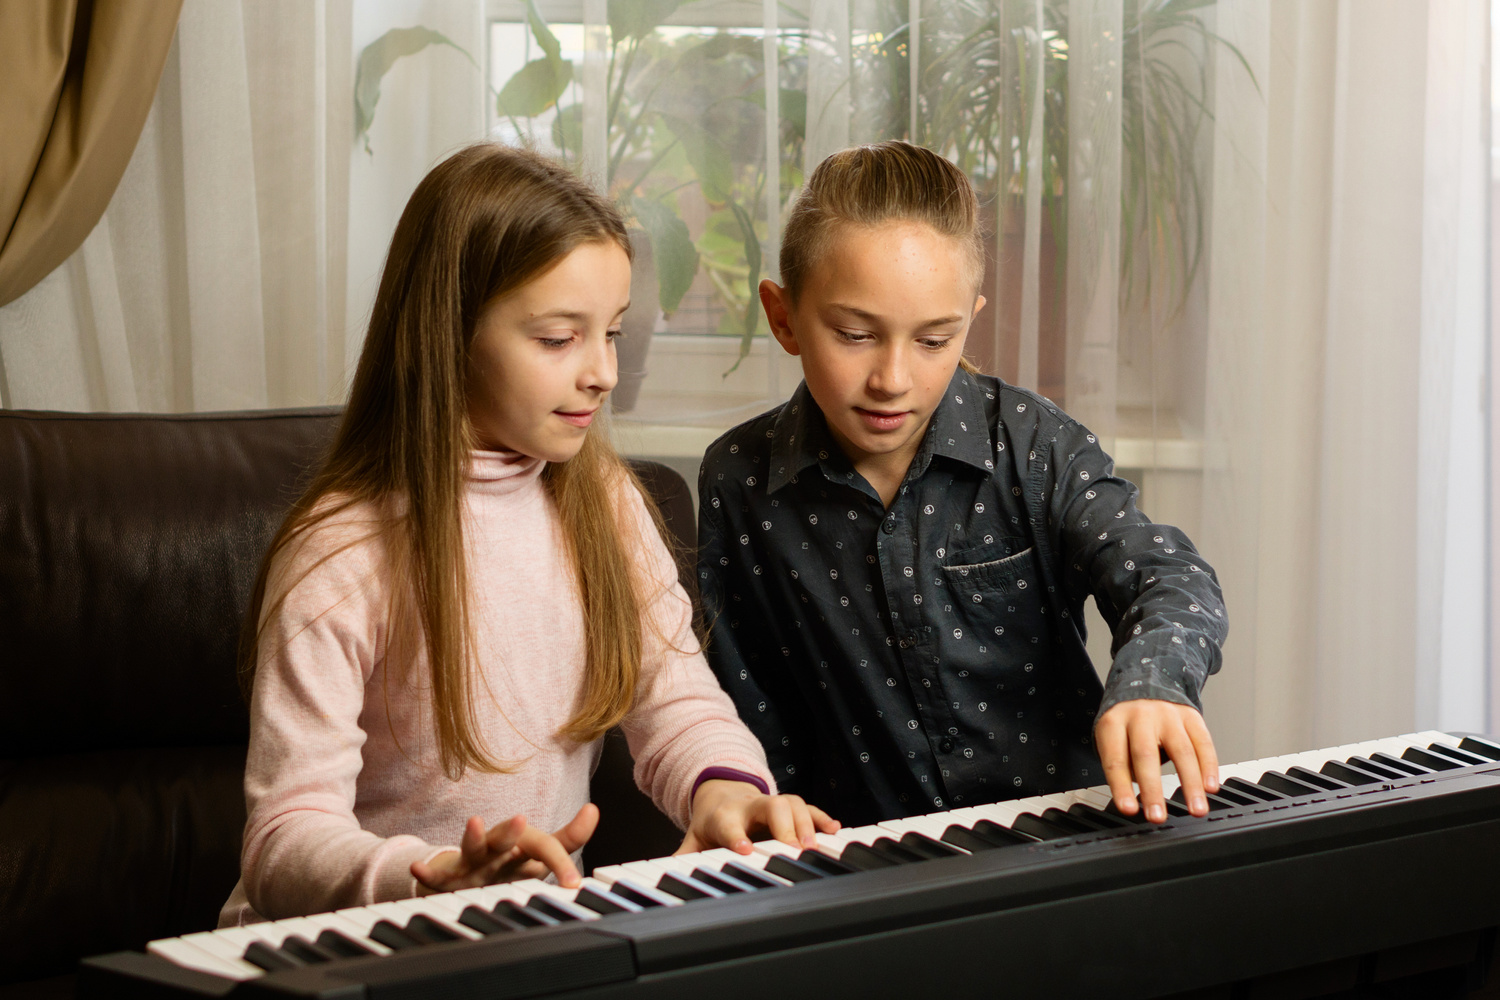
(79, 80)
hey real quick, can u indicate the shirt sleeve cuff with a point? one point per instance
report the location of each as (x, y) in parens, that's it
(727, 774)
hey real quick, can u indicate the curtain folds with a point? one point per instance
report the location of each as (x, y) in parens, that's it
(81, 77)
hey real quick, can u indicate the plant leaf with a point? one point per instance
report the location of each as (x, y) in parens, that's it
(534, 88)
(707, 155)
(638, 18)
(543, 34)
(567, 128)
(376, 59)
(752, 257)
(672, 249)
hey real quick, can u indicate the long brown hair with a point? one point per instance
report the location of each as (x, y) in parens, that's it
(882, 182)
(484, 222)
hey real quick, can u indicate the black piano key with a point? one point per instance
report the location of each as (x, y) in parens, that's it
(891, 849)
(604, 902)
(1216, 802)
(866, 858)
(1256, 791)
(271, 959)
(825, 862)
(1062, 820)
(1035, 826)
(509, 909)
(1454, 753)
(1349, 774)
(1234, 798)
(1380, 770)
(970, 841)
(1105, 821)
(636, 894)
(1278, 782)
(1138, 817)
(1430, 760)
(544, 903)
(1316, 779)
(927, 847)
(429, 931)
(342, 945)
(793, 870)
(989, 828)
(749, 875)
(1405, 768)
(1480, 747)
(392, 936)
(720, 881)
(307, 951)
(486, 923)
(688, 889)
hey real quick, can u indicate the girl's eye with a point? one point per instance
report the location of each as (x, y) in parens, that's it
(555, 342)
(614, 333)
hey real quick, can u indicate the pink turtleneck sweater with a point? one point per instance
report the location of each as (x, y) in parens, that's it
(342, 783)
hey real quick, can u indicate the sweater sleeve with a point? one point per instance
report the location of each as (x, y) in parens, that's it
(682, 722)
(304, 851)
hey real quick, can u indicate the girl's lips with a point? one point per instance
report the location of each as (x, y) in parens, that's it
(878, 421)
(581, 419)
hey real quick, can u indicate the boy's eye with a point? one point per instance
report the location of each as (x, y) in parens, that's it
(935, 343)
(853, 336)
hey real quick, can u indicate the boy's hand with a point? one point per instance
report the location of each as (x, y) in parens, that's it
(1129, 738)
(726, 812)
(508, 851)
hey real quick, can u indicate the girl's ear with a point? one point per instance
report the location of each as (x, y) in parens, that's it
(778, 307)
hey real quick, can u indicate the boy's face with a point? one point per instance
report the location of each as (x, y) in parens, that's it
(880, 325)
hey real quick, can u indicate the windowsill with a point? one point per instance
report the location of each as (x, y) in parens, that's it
(671, 419)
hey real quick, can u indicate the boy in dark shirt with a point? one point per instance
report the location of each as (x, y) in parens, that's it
(895, 562)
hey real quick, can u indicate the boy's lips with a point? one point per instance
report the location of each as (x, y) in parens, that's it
(882, 420)
(578, 418)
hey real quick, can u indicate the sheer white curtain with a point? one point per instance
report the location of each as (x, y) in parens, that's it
(1305, 400)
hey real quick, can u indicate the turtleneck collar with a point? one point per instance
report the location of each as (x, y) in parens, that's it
(503, 471)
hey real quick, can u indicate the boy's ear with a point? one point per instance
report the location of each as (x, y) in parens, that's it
(778, 307)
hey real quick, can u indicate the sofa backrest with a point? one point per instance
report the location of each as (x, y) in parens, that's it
(128, 548)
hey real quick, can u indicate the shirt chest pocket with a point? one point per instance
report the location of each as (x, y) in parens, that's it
(1001, 598)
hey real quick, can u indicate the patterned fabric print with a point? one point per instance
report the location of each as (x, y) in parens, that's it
(931, 656)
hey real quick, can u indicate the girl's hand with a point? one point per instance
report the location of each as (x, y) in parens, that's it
(508, 851)
(726, 812)
(1130, 738)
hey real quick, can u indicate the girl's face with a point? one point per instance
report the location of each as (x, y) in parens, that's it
(543, 356)
(880, 325)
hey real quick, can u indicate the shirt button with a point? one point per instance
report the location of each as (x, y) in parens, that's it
(889, 525)
(946, 746)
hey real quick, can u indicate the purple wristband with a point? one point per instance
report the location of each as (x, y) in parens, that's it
(728, 774)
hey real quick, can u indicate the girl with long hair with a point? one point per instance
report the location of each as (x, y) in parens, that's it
(473, 589)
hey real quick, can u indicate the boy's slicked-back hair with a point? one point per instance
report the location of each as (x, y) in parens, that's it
(869, 185)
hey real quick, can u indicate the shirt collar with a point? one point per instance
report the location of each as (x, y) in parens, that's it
(958, 430)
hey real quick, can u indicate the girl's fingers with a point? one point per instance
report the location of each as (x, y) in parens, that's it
(1145, 761)
(472, 845)
(802, 820)
(579, 829)
(726, 828)
(1109, 738)
(545, 848)
(778, 819)
(690, 844)
(1203, 745)
(824, 822)
(503, 837)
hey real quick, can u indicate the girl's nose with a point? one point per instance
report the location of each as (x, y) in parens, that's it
(601, 370)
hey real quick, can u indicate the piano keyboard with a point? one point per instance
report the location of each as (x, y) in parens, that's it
(619, 898)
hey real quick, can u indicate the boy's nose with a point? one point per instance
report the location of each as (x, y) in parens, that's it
(892, 377)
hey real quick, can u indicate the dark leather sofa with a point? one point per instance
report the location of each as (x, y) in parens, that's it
(128, 547)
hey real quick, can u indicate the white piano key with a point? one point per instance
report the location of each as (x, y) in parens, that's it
(769, 847)
(188, 955)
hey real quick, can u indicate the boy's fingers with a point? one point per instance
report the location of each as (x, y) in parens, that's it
(1110, 741)
(1203, 744)
(1145, 760)
(1185, 758)
(545, 848)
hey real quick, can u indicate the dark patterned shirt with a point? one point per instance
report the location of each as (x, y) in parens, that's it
(931, 655)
